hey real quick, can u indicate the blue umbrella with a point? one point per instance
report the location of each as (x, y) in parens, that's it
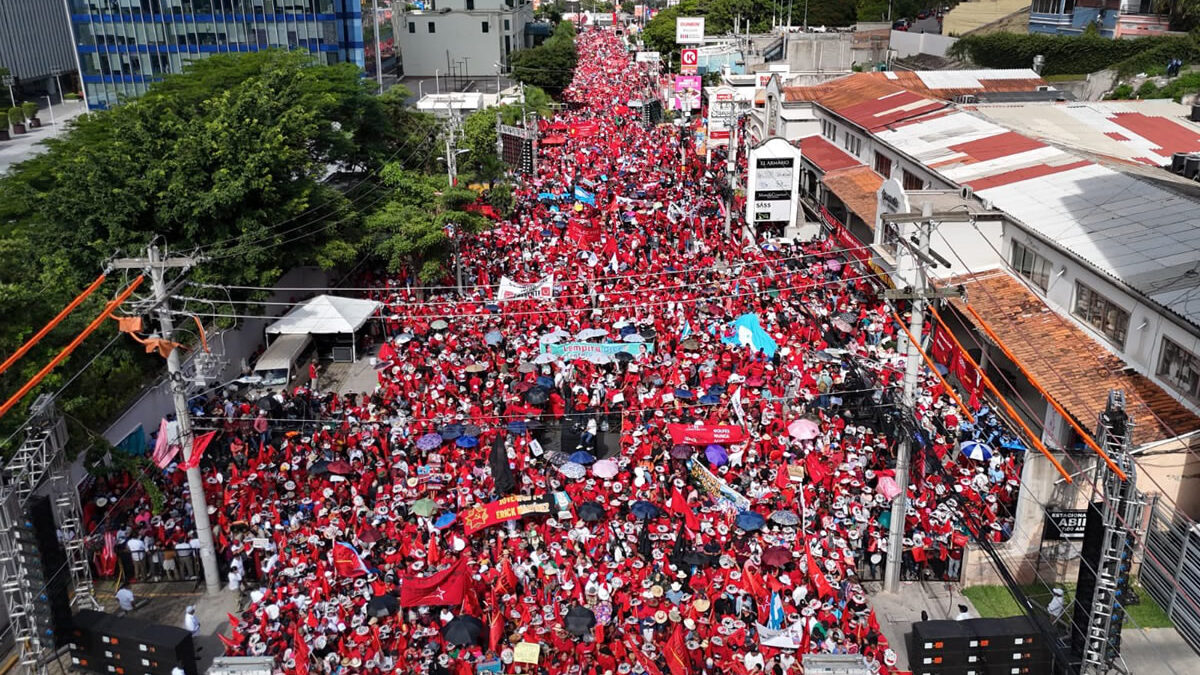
(710, 399)
(445, 520)
(716, 389)
(1012, 444)
(716, 455)
(429, 442)
(451, 431)
(545, 381)
(582, 457)
(941, 369)
(467, 442)
(976, 451)
(685, 394)
(750, 521)
(644, 510)
(493, 337)
(517, 427)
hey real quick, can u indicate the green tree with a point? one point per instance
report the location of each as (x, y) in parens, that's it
(409, 231)
(479, 134)
(550, 65)
(230, 156)
(550, 12)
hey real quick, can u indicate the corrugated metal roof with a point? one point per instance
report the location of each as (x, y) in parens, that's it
(856, 187)
(1125, 226)
(826, 155)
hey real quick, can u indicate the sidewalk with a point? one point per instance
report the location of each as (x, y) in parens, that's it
(167, 603)
(897, 613)
(27, 145)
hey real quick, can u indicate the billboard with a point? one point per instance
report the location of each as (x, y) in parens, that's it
(647, 57)
(773, 181)
(689, 30)
(687, 92)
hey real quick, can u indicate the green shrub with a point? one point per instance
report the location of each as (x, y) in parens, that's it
(1074, 54)
(16, 115)
(70, 96)
(1147, 90)
(30, 109)
(1121, 92)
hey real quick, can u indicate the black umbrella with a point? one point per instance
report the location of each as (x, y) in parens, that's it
(624, 357)
(579, 621)
(382, 605)
(697, 559)
(463, 631)
(318, 468)
(537, 396)
(590, 512)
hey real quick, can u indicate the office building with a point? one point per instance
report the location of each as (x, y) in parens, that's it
(35, 49)
(465, 38)
(125, 45)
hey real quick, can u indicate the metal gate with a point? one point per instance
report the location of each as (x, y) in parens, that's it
(1171, 569)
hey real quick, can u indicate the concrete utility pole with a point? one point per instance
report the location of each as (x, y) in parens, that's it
(378, 53)
(156, 266)
(919, 294)
(451, 152)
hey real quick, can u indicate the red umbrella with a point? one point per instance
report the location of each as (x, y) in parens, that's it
(341, 467)
(777, 556)
(369, 535)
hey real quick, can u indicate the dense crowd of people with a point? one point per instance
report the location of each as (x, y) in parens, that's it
(695, 434)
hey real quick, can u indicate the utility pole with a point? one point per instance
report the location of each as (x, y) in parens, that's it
(156, 266)
(919, 294)
(730, 170)
(378, 53)
(451, 152)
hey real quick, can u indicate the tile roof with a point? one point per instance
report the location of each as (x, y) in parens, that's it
(826, 155)
(856, 187)
(1067, 362)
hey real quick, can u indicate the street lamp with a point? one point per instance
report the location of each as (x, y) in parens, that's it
(58, 73)
(50, 105)
(8, 82)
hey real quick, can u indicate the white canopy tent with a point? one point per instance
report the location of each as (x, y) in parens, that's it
(326, 315)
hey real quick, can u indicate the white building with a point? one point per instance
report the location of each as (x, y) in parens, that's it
(466, 37)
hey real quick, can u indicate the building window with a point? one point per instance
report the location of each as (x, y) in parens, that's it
(1030, 265)
(432, 27)
(1101, 313)
(1180, 368)
(485, 26)
(470, 5)
(853, 144)
(829, 130)
(507, 25)
(912, 181)
(883, 165)
(412, 27)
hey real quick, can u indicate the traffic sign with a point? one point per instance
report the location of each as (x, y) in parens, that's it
(689, 59)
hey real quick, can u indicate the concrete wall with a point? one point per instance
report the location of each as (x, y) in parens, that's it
(907, 44)
(234, 345)
(458, 38)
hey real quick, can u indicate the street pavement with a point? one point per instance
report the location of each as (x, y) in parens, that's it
(1153, 651)
(27, 145)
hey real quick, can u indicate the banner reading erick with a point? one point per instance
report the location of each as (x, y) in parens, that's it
(504, 510)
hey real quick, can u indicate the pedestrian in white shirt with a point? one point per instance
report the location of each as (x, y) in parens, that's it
(190, 622)
(125, 598)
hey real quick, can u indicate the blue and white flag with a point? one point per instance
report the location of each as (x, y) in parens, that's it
(749, 332)
(584, 196)
(775, 619)
(686, 330)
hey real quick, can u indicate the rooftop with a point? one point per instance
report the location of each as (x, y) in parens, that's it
(1146, 131)
(825, 155)
(856, 187)
(1067, 362)
(1133, 229)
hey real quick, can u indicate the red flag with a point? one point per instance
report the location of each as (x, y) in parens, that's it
(679, 506)
(754, 581)
(233, 621)
(973, 402)
(507, 581)
(678, 660)
(432, 554)
(646, 661)
(231, 646)
(199, 443)
(107, 564)
(818, 577)
(443, 588)
(817, 470)
(470, 605)
(347, 562)
(496, 632)
(302, 652)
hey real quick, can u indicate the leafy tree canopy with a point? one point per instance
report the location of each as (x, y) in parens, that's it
(551, 65)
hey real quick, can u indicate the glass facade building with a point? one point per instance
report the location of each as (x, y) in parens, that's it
(125, 45)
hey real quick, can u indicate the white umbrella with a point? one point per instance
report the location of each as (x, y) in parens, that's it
(544, 358)
(633, 337)
(976, 451)
(554, 336)
(598, 358)
(589, 333)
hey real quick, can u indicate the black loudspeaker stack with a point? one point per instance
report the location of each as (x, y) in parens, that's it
(1085, 587)
(46, 573)
(106, 643)
(1012, 646)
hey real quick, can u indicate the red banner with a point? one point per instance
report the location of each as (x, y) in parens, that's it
(586, 128)
(583, 233)
(443, 588)
(943, 351)
(503, 510)
(722, 434)
(941, 347)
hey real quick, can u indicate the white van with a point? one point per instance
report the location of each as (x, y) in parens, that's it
(279, 364)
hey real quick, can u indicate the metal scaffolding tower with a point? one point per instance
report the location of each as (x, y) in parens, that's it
(39, 459)
(1122, 518)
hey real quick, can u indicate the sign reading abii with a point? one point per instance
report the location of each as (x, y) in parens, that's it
(1064, 524)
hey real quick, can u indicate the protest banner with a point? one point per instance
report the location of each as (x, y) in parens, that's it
(509, 508)
(722, 434)
(725, 497)
(581, 350)
(542, 289)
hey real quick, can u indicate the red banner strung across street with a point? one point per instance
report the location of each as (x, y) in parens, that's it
(722, 434)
